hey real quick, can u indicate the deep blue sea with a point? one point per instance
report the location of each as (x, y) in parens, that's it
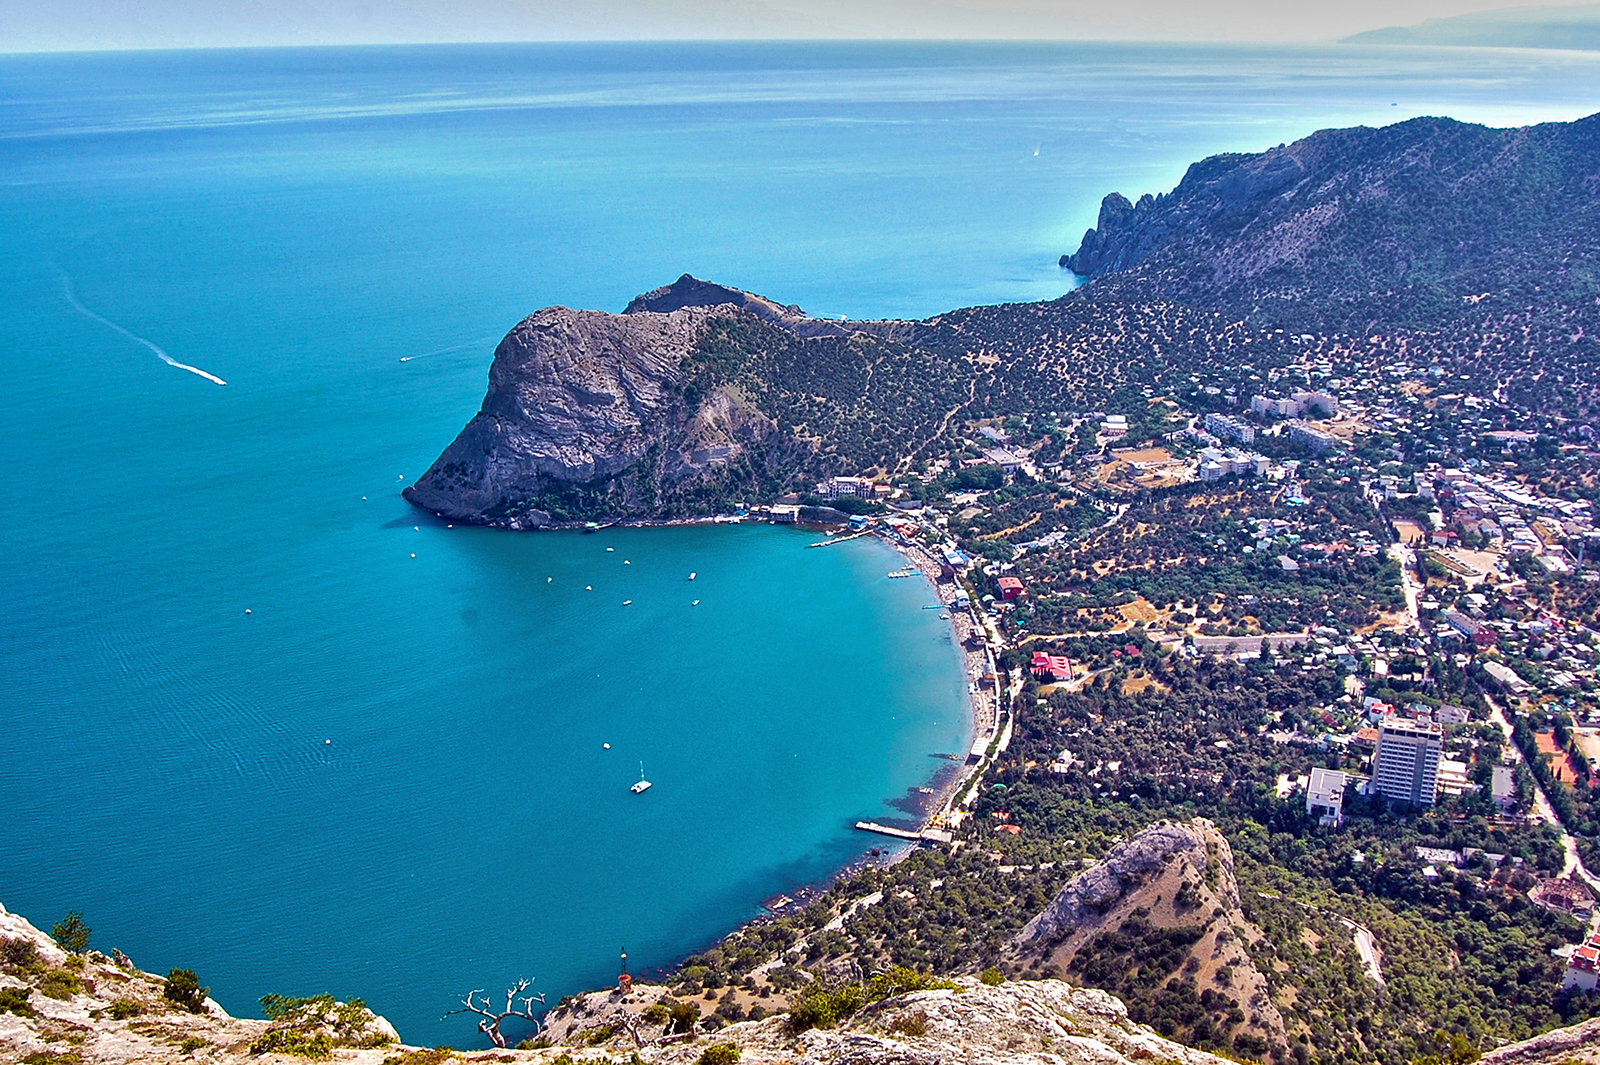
(264, 720)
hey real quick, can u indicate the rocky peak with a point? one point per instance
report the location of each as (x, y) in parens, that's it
(690, 291)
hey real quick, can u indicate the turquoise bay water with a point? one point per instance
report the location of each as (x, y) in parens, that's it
(297, 223)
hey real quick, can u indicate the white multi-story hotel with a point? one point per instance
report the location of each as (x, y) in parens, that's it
(1406, 766)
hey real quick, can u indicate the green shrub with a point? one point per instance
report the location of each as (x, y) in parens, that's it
(15, 1000)
(318, 1046)
(194, 1042)
(20, 953)
(435, 1056)
(824, 1007)
(656, 1013)
(71, 933)
(60, 984)
(719, 1054)
(277, 1007)
(912, 1024)
(992, 977)
(183, 990)
(684, 1018)
(123, 1008)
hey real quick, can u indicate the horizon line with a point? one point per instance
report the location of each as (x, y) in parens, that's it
(1188, 43)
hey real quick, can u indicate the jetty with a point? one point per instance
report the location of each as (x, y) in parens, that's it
(926, 835)
(840, 539)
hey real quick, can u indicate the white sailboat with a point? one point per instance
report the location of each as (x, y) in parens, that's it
(643, 785)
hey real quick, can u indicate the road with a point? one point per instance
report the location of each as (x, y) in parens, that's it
(1542, 808)
(1409, 584)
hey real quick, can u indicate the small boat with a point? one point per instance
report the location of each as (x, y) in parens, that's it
(692, 576)
(610, 549)
(944, 617)
(907, 572)
(591, 526)
(695, 603)
(627, 602)
(642, 785)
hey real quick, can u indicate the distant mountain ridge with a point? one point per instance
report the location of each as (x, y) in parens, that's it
(1570, 27)
(1429, 223)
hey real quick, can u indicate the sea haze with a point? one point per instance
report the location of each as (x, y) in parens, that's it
(265, 720)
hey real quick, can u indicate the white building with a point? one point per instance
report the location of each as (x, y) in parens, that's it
(1325, 796)
(1310, 437)
(1406, 767)
(836, 487)
(1230, 428)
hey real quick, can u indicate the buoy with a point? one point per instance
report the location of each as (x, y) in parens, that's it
(625, 562)
(363, 497)
(588, 587)
(547, 580)
(416, 528)
(607, 746)
(413, 554)
(327, 741)
(247, 610)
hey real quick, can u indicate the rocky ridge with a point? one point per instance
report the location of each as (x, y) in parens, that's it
(1173, 882)
(1420, 224)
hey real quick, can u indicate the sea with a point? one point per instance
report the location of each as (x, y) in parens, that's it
(264, 720)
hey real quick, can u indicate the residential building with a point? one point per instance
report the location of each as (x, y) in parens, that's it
(1583, 966)
(835, 487)
(1503, 788)
(1322, 403)
(1308, 436)
(1227, 427)
(1325, 795)
(1406, 766)
(1010, 588)
(1507, 678)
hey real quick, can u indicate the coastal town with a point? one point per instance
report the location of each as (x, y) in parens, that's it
(1393, 578)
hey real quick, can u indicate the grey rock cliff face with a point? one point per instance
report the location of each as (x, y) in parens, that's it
(1346, 226)
(576, 396)
(1089, 894)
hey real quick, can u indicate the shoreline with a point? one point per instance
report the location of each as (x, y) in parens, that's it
(954, 786)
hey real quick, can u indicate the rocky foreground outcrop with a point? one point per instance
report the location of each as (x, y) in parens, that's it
(59, 1008)
(116, 1014)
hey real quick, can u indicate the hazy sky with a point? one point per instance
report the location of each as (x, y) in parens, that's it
(29, 25)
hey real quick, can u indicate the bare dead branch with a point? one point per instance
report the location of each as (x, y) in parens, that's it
(490, 1024)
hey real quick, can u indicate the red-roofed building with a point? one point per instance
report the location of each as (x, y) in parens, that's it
(1051, 667)
(1010, 588)
(1583, 967)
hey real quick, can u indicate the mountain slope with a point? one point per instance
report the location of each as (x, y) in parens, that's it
(1430, 223)
(1571, 27)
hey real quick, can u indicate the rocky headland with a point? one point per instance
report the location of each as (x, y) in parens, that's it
(1457, 246)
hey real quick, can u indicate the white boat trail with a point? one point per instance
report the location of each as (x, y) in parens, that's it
(444, 351)
(72, 298)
